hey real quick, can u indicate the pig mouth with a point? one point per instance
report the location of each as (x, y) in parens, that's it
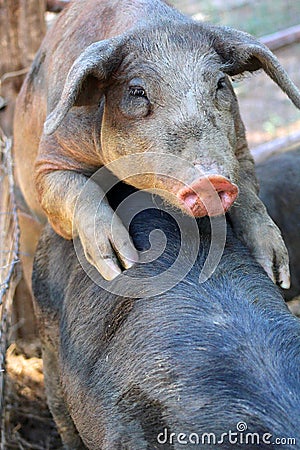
(208, 196)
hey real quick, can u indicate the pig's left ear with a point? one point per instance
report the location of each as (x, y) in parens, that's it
(241, 52)
(86, 79)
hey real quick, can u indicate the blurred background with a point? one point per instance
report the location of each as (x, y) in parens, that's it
(266, 111)
(258, 17)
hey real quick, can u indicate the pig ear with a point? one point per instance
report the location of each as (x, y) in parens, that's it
(241, 52)
(86, 79)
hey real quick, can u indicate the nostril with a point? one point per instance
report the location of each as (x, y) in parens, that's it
(223, 195)
(190, 199)
(227, 199)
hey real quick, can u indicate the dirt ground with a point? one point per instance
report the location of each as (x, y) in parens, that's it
(268, 114)
(27, 420)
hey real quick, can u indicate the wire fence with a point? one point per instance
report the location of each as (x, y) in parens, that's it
(9, 257)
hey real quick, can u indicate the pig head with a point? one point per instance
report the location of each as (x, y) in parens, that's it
(160, 88)
(167, 96)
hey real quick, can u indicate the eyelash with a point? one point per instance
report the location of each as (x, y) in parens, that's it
(137, 91)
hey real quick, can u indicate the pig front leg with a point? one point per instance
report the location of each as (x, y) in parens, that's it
(74, 212)
(55, 397)
(253, 225)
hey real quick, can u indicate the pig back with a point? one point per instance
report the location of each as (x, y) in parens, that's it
(145, 365)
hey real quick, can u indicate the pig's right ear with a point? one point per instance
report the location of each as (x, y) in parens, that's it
(85, 78)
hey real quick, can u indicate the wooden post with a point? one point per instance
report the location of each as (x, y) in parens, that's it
(22, 27)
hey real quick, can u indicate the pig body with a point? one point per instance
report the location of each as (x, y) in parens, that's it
(279, 180)
(138, 78)
(124, 373)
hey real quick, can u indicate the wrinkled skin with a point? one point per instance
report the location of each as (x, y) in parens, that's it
(198, 358)
(121, 78)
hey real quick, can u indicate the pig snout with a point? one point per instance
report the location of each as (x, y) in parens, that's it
(210, 195)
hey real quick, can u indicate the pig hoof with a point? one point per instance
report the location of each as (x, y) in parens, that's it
(273, 257)
(108, 248)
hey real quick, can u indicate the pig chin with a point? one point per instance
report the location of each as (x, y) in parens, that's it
(193, 206)
(211, 195)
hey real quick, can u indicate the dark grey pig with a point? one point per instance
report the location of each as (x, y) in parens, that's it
(214, 364)
(279, 179)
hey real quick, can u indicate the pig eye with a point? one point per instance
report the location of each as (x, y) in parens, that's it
(137, 91)
(135, 103)
(221, 83)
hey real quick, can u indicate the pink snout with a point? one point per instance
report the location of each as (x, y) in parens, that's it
(208, 196)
